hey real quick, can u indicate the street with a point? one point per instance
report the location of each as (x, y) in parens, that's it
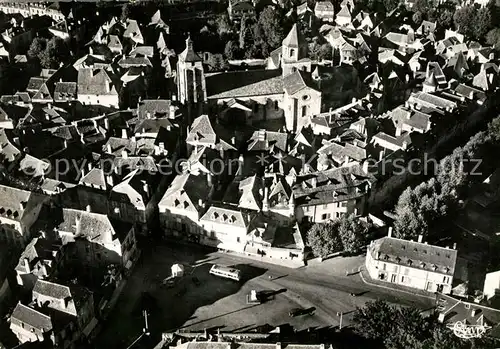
(221, 303)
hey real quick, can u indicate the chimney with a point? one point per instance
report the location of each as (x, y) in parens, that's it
(209, 179)
(201, 203)
(91, 51)
(233, 140)
(106, 123)
(314, 182)
(145, 187)
(65, 144)
(161, 145)
(108, 148)
(265, 200)
(124, 154)
(474, 312)
(389, 233)
(109, 180)
(148, 115)
(88, 209)
(124, 134)
(454, 245)
(420, 238)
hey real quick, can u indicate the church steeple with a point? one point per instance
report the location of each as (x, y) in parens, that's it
(294, 45)
(189, 55)
(191, 78)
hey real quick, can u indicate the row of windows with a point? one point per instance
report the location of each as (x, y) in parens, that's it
(325, 206)
(406, 271)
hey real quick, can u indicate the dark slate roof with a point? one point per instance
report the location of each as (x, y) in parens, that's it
(155, 107)
(244, 84)
(93, 81)
(294, 38)
(415, 254)
(65, 90)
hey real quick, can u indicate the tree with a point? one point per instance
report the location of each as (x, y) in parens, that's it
(391, 5)
(494, 127)
(493, 38)
(246, 33)
(417, 17)
(464, 20)
(231, 50)
(402, 328)
(482, 23)
(126, 12)
(353, 233)
(375, 320)
(270, 22)
(323, 239)
(37, 47)
(216, 62)
(55, 53)
(444, 15)
(223, 25)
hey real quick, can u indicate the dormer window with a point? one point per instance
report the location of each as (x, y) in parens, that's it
(224, 217)
(292, 53)
(177, 202)
(215, 215)
(186, 204)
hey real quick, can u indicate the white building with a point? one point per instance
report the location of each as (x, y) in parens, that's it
(412, 264)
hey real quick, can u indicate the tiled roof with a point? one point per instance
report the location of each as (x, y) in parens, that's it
(7, 149)
(415, 254)
(94, 82)
(297, 81)
(65, 90)
(145, 163)
(155, 107)
(26, 315)
(264, 140)
(128, 62)
(185, 192)
(94, 178)
(227, 215)
(340, 184)
(244, 84)
(152, 125)
(131, 191)
(323, 6)
(114, 42)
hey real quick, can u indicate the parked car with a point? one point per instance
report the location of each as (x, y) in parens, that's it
(295, 312)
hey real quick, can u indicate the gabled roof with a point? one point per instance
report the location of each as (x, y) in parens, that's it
(238, 84)
(131, 191)
(227, 215)
(185, 192)
(95, 179)
(25, 315)
(297, 81)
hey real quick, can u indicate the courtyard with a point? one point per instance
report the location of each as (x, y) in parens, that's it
(215, 302)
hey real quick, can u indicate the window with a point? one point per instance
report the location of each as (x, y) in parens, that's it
(384, 267)
(446, 279)
(323, 216)
(306, 97)
(304, 110)
(292, 52)
(238, 239)
(276, 106)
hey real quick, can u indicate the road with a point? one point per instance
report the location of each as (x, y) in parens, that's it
(221, 303)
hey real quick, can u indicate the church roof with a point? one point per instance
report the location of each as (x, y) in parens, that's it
(188, 55)
(244, 83)
(296, 81)
(294, 38)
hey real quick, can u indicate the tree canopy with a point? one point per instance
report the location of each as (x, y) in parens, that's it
(402, 328)
(50, 53)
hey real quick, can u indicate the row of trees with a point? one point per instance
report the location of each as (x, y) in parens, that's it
(347, 234)
(477, 23)
(390, 327)
(422, 208)
(257, 38)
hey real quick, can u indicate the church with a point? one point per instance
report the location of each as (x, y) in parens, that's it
(285, 89)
